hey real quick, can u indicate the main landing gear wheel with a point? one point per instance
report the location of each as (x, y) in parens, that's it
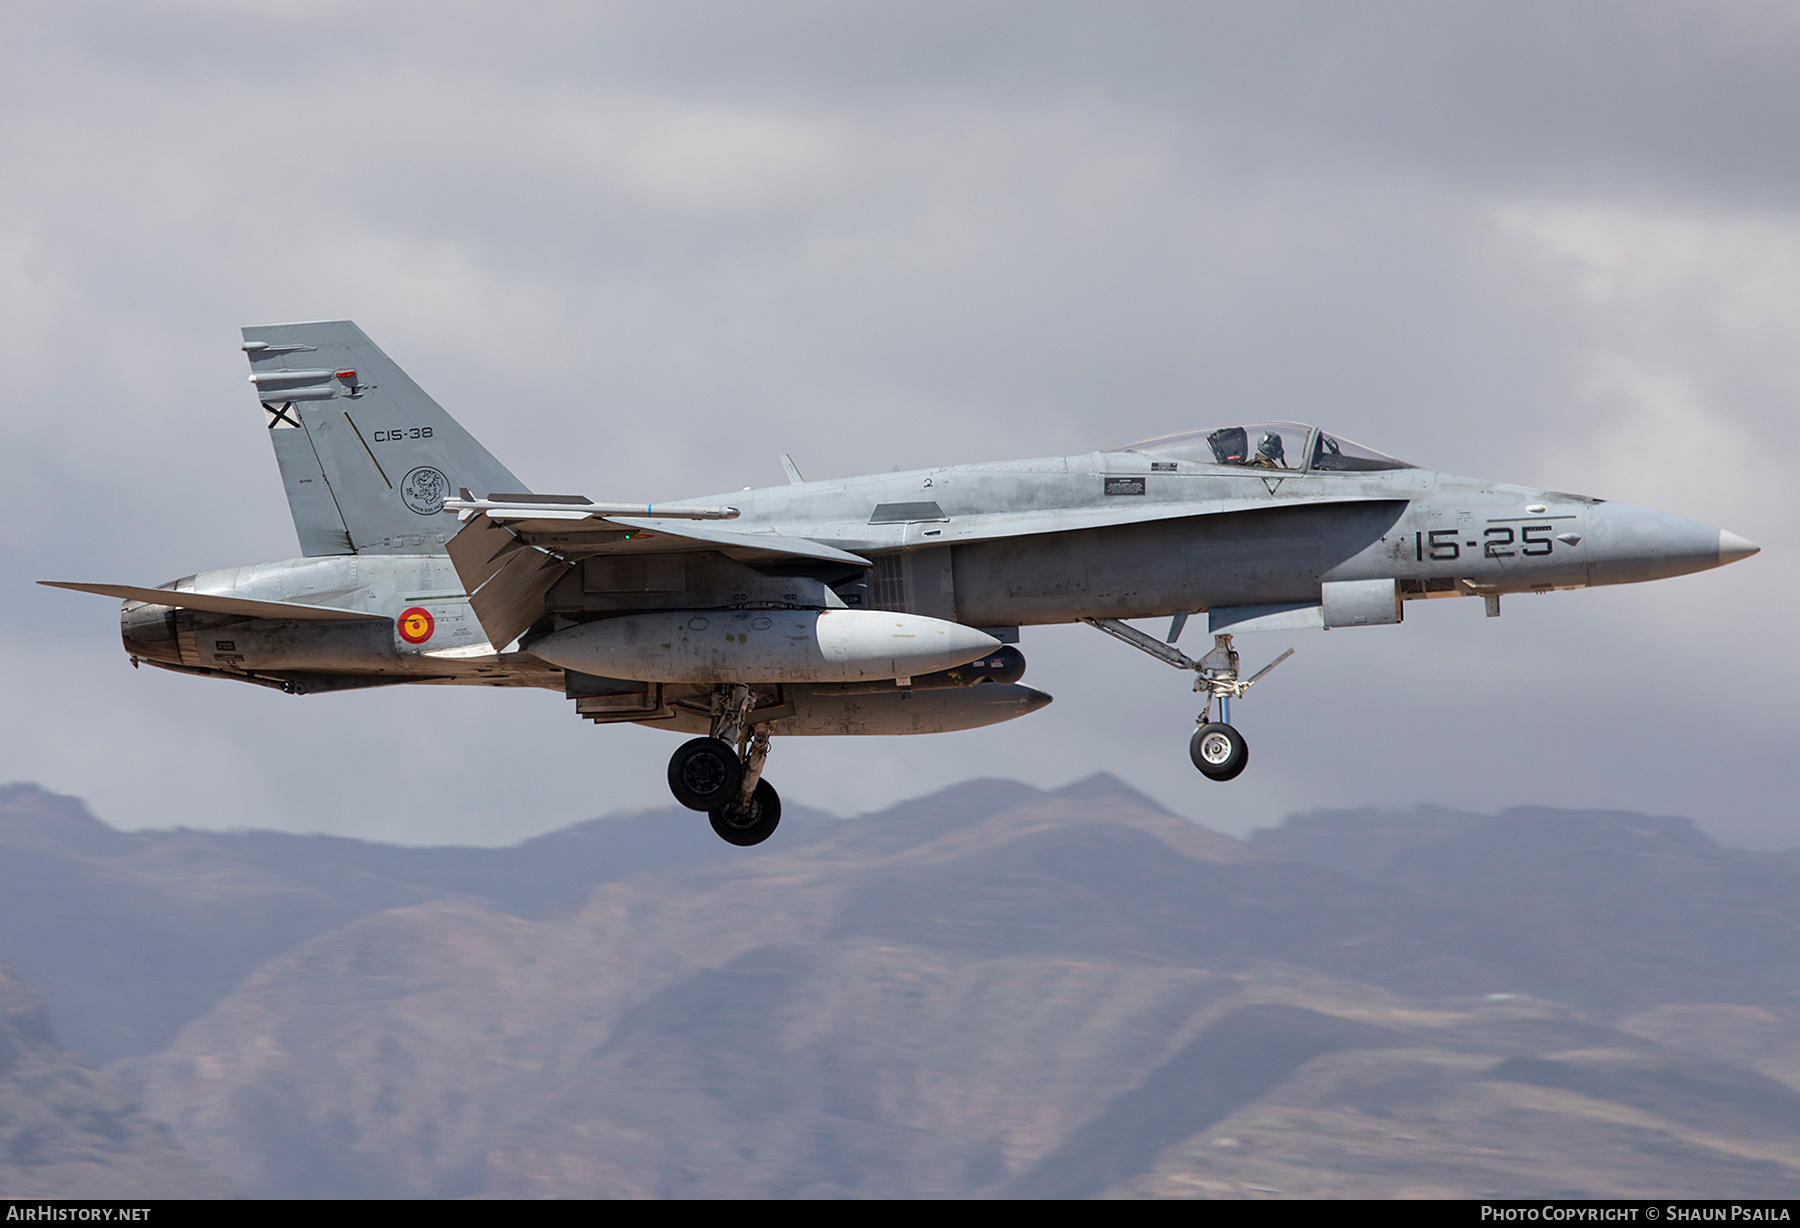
(722, 774)
(704, 773)
(752, 822)
(1219, 751)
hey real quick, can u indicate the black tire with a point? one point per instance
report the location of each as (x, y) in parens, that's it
(704, 772)
(1219, 751)
(751, 824)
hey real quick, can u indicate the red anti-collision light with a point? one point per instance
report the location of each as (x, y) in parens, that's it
(347, 375)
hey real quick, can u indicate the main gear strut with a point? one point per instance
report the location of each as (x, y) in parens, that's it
(722, 773)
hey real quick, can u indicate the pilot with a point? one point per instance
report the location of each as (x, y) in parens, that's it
(1269, 452)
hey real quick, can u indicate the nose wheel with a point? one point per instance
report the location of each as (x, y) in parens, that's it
(1219, 751)
(722, 774)
(1216, 748)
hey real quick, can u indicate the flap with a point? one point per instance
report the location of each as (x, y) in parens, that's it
(506, 578)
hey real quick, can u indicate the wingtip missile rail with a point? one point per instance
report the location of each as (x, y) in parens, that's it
(575, 507)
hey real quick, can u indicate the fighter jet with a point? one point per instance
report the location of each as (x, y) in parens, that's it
(885, 604)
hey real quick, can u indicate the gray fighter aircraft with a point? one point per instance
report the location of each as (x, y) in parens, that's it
(886, 604)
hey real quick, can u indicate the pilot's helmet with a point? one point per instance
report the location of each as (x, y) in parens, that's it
(1271, 447)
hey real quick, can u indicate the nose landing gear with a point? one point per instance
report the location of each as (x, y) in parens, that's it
(722, 774)
(1217, 748)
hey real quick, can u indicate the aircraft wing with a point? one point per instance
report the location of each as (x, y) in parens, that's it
(509, 561)
(214, 604)
(742, 546)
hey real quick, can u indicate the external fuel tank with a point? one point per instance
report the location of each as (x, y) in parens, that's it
(716, 646)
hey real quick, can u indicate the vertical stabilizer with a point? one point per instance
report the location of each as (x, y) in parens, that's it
(367, 457)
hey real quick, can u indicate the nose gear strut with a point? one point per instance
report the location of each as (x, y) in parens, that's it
(1217, 748)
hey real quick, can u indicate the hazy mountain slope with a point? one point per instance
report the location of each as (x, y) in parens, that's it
(128, 936)
(989, 991)
(67, 1131)
(1453, 1109)
(1611, 910)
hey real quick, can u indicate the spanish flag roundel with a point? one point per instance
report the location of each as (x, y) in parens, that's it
(416, 625)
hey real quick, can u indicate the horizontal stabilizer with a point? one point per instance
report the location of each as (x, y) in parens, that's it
(213, 604)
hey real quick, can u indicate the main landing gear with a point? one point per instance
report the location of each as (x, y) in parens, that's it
(722, 774)
(1216, 748)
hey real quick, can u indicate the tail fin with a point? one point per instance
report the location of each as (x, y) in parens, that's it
(367, 457)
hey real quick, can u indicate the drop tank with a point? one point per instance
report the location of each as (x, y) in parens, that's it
(710, 646)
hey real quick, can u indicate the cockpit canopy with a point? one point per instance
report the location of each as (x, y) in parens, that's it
(1292, 446)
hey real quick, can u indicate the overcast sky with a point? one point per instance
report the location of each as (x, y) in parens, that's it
(640, 250)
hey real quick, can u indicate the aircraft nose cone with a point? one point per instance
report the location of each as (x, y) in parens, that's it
(1732, 547)
(1627, 545)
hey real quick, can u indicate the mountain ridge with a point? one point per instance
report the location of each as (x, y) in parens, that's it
(990, 991)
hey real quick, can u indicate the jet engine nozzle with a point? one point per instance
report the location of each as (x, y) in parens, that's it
(152, 632)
